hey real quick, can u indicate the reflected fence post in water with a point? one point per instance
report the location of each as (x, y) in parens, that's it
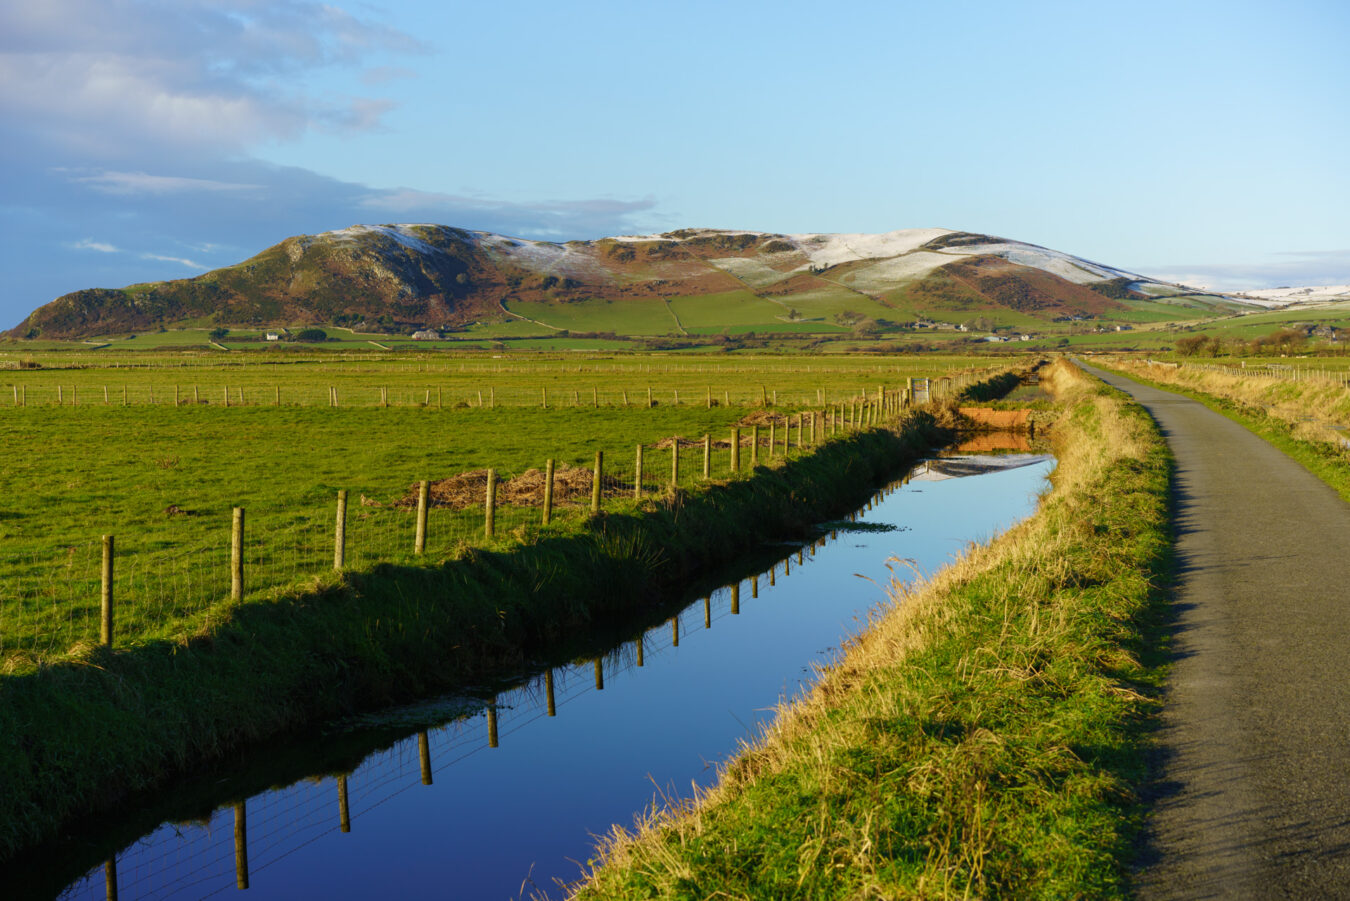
(344, 811)
(707, 612)
(639, 646)
(492, 722)
(599, 675)
(548, 692)
(675, 631)
(736, 598)
(424, 756)
(773, 580)
(241, 845)
(110, 878)
(754, 586)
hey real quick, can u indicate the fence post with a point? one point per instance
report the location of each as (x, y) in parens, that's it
(490, 505)
(735, 450)
(707, 456)
(106, 595)
(548, 491)
(340, 532)
(596, 482)
(674, 464)
(423, 494)
(773, 434)
(241, 846)
(344, 811)
(237, 556)
(754, 446)
(649, 396)
(637, 479)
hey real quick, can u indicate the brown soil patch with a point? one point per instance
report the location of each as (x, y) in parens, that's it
(571, 484)
(997, 419)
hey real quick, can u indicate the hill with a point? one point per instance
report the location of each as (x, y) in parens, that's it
(398, 278)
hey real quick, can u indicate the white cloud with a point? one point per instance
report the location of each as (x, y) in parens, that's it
(1294, 268)
(100, 246)
(179, 260)
(106, 77)
(142, 183)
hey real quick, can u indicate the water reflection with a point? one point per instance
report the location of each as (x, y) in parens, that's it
(511, 821)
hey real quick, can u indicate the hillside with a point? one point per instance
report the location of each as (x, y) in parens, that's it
(397, 278)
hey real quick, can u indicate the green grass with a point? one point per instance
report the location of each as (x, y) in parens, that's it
(162, 479)
(631, 316)
(718, 313)
(151, 710)
(983, 739)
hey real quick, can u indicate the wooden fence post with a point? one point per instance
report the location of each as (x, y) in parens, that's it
(237, 556)
(241, 845)
(490, 505)
(637, 479)
(773, 434)
(596, 480)
(674, 464)
(492, 723)
(548, 691)
(599, 675)
(548, 491)
(424, 756)
(423, 495)
(344, 811)
(754, 446)
(735, 450)
(106, 594)
(340, 532)
(707, 456)
(649, 396)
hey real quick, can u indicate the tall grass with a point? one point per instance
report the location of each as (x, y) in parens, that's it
(982, 738)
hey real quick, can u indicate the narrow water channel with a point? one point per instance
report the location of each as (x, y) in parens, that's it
(455, 798)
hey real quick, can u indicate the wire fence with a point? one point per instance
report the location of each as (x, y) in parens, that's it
(55, 601)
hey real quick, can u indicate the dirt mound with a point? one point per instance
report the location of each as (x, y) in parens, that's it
(571, 484)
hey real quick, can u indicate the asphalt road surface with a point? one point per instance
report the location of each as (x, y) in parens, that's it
(1252, 793)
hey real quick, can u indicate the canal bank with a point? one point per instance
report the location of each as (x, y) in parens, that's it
(985, 737)
(80, 738)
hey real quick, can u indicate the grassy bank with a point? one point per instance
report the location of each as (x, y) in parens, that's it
(80, 735)
(983, 737)
(1305, 419)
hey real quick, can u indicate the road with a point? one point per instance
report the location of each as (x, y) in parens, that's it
(1252, 790)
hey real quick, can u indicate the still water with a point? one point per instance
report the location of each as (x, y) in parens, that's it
(461, 797)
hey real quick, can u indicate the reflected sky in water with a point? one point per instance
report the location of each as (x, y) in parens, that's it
(511, 820)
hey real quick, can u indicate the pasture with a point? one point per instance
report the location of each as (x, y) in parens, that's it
(156, 449)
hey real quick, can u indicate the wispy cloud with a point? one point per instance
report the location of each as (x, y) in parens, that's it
(89, 244)
(170, 259)
(1290, 268)
(143, 183)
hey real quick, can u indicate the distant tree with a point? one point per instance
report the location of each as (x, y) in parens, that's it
(218, 333)
(793, 314)
(1190, 345)
(311, 335)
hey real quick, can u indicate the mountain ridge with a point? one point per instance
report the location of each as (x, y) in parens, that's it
(397, 277)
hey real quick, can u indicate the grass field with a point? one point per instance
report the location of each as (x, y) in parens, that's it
(162, 477)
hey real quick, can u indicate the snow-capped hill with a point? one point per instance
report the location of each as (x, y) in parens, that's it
(427, 275)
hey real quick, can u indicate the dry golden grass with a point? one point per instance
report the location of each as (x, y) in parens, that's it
(1311, 407)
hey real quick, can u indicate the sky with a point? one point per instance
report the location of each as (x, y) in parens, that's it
(1204, 142)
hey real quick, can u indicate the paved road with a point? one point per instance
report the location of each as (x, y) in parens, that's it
(1253, 795)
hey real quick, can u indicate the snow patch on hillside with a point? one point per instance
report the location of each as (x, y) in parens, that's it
(831, 250)
(886, 275)
(755, 273)
(401, 234)
(1066, 266)
(544, 257)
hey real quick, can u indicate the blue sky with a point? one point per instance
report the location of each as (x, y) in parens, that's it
(1201, 141)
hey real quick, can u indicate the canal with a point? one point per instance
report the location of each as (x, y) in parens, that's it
(500, 793)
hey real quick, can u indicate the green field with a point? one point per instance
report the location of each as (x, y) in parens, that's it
(162, 469)
(631, 316)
